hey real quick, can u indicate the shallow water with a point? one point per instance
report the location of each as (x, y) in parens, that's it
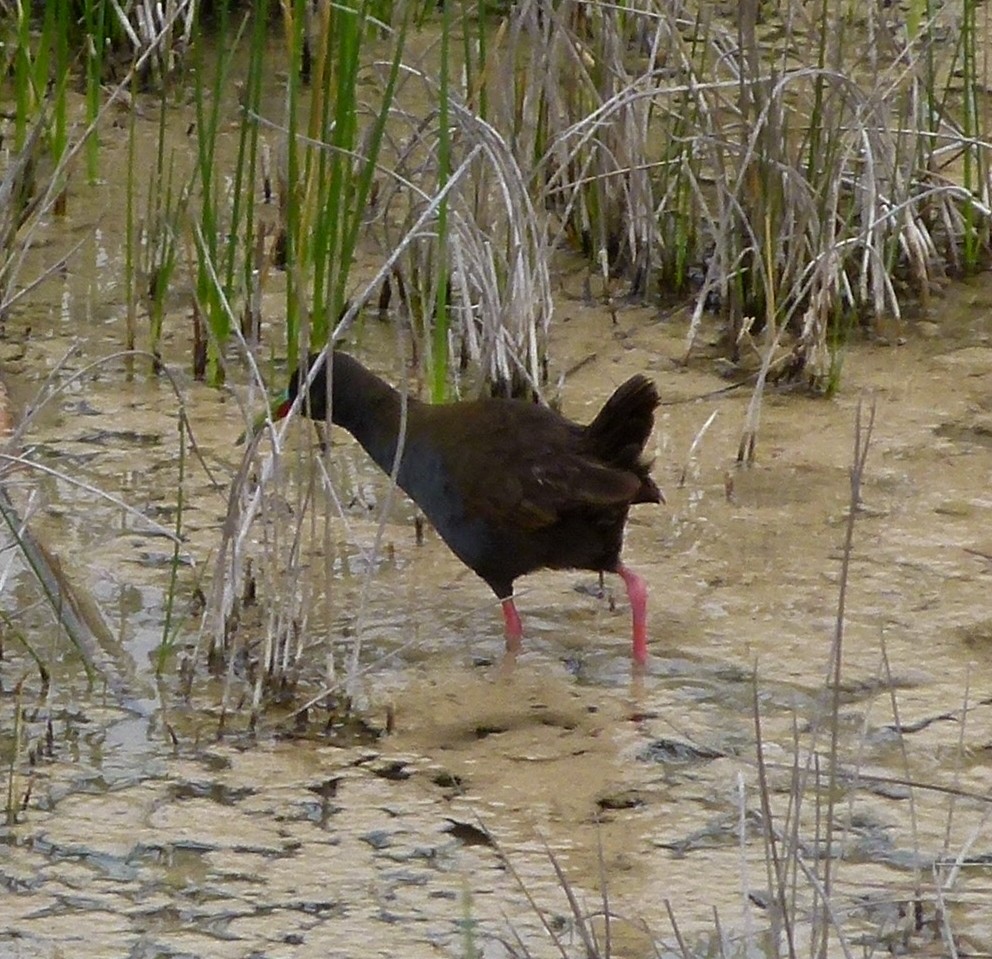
(132, 843)
(142, 832)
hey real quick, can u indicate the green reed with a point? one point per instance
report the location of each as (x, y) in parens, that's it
(130, 252)
(679, 171)
(332, 184)
(293, 232)
(165, 208)
(439, 300)
(41, 73)
(170, 635)
(974, 170)
(332, 170)
(57, 27)
(227, 219)
(241, 232)
(95, 23)
(211, 103)
(26, 69)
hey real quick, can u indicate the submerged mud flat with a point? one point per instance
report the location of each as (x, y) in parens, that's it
(142, 834)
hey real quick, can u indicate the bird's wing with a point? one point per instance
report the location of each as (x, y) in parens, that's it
(533, 493)
(523, 466)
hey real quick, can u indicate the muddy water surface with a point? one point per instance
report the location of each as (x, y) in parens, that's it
(135, 843)
(142, 833)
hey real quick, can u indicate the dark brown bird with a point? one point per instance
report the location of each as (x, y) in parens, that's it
(510, 486)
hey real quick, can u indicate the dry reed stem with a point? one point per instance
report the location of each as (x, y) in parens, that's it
(775, 866)
(784, 859)
(862, 444)
(679, 938)
(230, 563)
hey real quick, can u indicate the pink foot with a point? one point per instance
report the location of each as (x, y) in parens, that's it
(637, 593)
(511, 622)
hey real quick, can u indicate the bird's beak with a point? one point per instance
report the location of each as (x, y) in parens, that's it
(278, 408)
(280, 405)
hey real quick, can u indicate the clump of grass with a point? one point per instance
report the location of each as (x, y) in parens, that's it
(475, 288)
(494, 309)
(327, 181)
(330, 167)
(808, 164)
(25, 196)
(792, 169)
(158, 236)
(212, 202)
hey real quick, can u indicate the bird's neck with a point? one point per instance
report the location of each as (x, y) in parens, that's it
(368, 408)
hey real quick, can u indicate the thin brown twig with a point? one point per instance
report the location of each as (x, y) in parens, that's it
(862, 443)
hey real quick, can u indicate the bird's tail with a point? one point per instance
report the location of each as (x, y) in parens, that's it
(621, 429)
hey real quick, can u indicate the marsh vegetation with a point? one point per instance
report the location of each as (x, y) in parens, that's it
(534, 201)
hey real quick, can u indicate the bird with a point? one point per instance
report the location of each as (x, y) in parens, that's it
(511, 486)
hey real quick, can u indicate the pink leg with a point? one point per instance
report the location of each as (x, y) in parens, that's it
(511, 621)
(637, 593)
